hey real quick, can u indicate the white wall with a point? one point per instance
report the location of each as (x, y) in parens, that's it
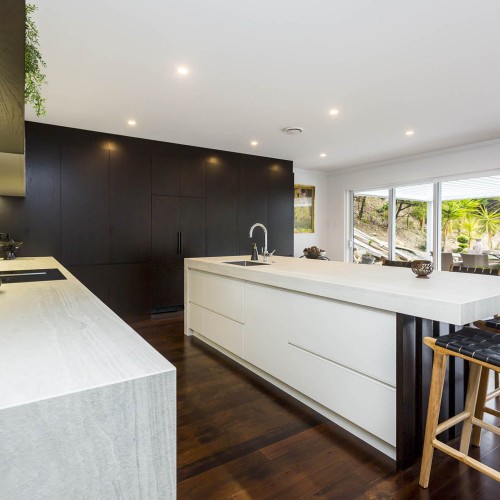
(469, 161)
(320, 235)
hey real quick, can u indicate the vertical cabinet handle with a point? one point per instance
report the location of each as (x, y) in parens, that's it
(181, 244)
(178, 243)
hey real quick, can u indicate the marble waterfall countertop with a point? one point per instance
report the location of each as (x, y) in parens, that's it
(87, 407)
(455, 298)
(57, 338)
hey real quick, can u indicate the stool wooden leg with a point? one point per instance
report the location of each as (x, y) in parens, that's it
(436, 392)
(497, 380)
(470, 406)
(481, 401)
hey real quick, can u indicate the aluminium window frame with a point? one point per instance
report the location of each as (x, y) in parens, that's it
(436, 222)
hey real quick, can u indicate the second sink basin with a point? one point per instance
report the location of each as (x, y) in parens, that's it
(246, 263)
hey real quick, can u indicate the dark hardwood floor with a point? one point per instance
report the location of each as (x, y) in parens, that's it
(239, 437)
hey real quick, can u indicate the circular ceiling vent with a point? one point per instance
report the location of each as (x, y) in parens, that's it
(293, 130)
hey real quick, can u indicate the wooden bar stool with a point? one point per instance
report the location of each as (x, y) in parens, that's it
(482, 350)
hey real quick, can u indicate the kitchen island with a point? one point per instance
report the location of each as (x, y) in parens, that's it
(87, 407)
(343, 338)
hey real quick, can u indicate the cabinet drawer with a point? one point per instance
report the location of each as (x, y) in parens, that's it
(196, 318)
(196, 287)
(225, 296)
(361, 400)
(224, 332)
(336, 330)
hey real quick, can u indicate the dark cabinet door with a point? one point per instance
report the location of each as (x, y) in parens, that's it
(85, 204)
(193, 235)
(222, 207)
(252, 203)
(130, 206)
(166, 169)
(130, 289)
(167, 286)
(166, 231)
(35, 219)
(193, 173)
(280, 208)
(95, 278)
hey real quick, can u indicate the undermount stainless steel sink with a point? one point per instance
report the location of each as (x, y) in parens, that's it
(246, 263)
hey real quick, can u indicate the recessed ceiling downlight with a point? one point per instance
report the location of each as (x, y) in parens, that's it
(293, 130)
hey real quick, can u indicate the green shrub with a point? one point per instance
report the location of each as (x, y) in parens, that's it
(463, 240)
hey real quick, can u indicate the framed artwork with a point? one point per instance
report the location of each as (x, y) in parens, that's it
(303, 208)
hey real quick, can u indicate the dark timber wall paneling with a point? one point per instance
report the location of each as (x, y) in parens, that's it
(122, 213)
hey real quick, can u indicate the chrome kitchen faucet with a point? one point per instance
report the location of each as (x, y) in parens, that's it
(265, 251)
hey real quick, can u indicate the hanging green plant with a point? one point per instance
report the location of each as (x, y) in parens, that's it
(33, 65)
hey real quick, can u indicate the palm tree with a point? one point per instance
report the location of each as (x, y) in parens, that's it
(489, 222)
(470, 227)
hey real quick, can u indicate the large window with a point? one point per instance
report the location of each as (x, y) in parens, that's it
(470, 222)
(371, 226)
(413, 215)
(460, 219)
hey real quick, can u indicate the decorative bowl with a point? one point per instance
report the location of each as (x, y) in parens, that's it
(422, 268)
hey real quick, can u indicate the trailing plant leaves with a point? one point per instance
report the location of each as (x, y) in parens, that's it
(33, 65)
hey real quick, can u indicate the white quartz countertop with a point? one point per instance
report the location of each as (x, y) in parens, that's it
(455, 298)
(57, 338)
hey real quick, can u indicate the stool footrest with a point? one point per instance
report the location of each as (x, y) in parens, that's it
(493, 395)
(462, 457)
(485, 425)
(492, 411)
(444, 426)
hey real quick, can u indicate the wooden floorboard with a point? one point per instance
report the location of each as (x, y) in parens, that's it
(240, 437)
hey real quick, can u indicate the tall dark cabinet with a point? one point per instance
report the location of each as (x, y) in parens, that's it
(222, 182)
(178, 223)
(122, 213)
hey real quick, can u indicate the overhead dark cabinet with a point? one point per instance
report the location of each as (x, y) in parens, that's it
(166, 169)
(192, 228)
(12, 43)
(280, 208)
(85, 204)
(222, 207)
(252, 202)
(179, 172)
(130, 206)
(193, 174)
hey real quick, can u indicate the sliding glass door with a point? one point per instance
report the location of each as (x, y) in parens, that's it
(370, 226)
(413, 216)
(470, 228)
(393, 224)
(452, 222)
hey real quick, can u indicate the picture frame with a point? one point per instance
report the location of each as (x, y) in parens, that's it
(303, 208)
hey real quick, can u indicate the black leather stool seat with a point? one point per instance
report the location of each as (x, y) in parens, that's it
(493, 323)
(475, 343)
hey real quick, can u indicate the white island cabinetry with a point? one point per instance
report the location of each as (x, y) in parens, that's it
(320, 350)
(344, 339)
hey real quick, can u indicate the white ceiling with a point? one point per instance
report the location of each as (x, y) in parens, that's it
(256, 67)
